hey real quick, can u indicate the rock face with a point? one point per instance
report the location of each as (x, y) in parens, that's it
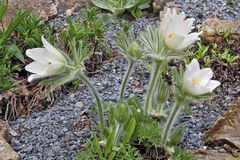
(214, 155)
(6, 152)
(226, 129)
(44, 8)
(210, 25)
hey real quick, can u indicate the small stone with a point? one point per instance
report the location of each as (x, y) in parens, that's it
(65, 129)
(79, 104)
(69, 12)
(28, 149)
(222, 150)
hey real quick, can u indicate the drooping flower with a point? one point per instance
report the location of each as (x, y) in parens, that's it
(48, 61)
(198, 81)
(176, 30)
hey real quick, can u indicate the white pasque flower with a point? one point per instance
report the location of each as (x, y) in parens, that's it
(176, 30)
(48, 61)
(198, 81)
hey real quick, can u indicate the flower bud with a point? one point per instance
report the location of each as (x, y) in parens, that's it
(133, 50)
(122, 114)
(162, 93)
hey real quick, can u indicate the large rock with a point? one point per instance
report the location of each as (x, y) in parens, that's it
(210, 25)
(226, 129)
(158, 5)
(214, 155)
(44, 8)
(6, 152)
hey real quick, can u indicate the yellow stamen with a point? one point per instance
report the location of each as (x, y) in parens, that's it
(195, 82)
(170, 35)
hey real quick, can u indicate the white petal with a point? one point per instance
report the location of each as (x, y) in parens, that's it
(187, 26)
(212, 84)
(203, 76)
(38, 54)
(52, 50)
(189, 40)
(187, 76)
(33, 77)
(200, 90)
(193, 66)
(174, 12)
(195, 90)
(34, 67)
(174, 41)
(167, 19)
(53, 69)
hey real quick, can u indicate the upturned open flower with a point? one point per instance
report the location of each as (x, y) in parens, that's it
(177, 30)
(198, 81)
(48, 61)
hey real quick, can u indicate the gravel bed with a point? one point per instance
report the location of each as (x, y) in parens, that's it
(203, 9)
(59, 132)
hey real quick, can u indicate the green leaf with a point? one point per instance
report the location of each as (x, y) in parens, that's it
(3, 8)
(181, 154)
(119, 6)
(97, 145)
(104, 4)
(112, 155)
(136, 12)
(129, 131)
(16, 52)
(31, 42)
(176, 135)
(14, 23)
(109, 144)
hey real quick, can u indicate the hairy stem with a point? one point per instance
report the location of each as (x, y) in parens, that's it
(155, 71)
(126, 77)
(170, 121)
(98, 99)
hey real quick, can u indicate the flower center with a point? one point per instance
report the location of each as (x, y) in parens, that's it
(170, 35)
(195, 82)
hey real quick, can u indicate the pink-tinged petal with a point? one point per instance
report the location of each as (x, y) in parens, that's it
(212, 84)
(38, 54)
(34, 67)
(203, 76)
